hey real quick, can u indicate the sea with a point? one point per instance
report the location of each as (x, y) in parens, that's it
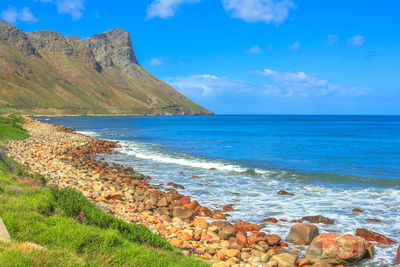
(332, 164)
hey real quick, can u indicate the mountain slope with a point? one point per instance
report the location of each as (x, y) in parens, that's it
(45, 73)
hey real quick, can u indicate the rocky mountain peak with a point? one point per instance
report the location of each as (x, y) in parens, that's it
(16, 38)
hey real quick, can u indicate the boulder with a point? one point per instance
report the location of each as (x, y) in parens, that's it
(227, 231)
(227, 208)
(4, 235)
(322, 264)
(373, 236)
(235, 243)
(282, 260)
(182, 213)
(302, 234)
(270, 220)
(204, 212)
(242, 226)
(317, 219)
(200, 223)
(338, 249)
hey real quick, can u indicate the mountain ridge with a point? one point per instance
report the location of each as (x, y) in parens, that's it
(45, 73)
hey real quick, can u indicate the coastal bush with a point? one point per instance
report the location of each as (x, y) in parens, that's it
(10, 128)
(73, 203)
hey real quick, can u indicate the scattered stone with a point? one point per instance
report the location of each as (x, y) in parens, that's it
(270, 220)
(282, 260)
(302, 234)
(372, 220)
(174, 185)
(338, 249)
(373, 236)
(30, 246)
(182, 213)
(227, 208)
(317, 219)
(284, 193)
(227, 231)
(200, 223)
(357, 210)
(4, 235)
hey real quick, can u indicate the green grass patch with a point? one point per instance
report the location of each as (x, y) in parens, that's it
(51, 218)
(10, 127)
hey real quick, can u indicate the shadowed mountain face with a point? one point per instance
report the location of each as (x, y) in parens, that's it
(46, 73)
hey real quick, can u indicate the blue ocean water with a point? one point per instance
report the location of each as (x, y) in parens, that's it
(332, 163)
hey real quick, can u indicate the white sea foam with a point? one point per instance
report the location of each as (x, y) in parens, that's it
(89, 133)
(254, 197)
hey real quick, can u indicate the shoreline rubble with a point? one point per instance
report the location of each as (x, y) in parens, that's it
(68, 159)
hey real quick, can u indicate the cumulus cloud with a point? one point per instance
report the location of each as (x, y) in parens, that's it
(275, 11)
(71, 7)
(12, 15)
(165, 8)
(253, 50)
(156, 61)
(356, 40)
(206, 85)
(332, 39)
(295, 46)
(300, 84)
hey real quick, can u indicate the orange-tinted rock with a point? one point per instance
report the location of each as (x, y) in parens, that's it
(227, 208)
(174, 185)
(270, 220)
(284, 193)
(357, 210)
(373, 220)
(233, 253)
(257, 237)
(302, 234)
(184, 200)
(227, 231)
(243, 238)
(182, 213)
(242, 226)
(282, 220)
(220, 255)
(213, 169)
(218, 216)
(175, 242)
(373, 236)
(192, 205)
(398, 253)
(296, 221)
(273, 239)
(200, 223)
(204, 212)
(317, 219)
(184, 235)
(338, 249)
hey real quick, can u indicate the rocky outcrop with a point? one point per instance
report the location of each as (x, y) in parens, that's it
(317, 219)
(373, 236)
(302, 234)
(338, 249)
(96, 75)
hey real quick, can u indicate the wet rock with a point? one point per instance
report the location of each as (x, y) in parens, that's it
(182, 213)
(204, 212)
(282, 260)
(398, 253)
(174, 185)
(284, 193)
(273, 239)
(373, 236)
(357, 210)
(242, 226)
(227, 208)
(242, 237)
(194, 205)
(218, 216)
(302, 234)
(338, 249)
(184, 200)
(317, 219)
(270, 220)
(372, 220)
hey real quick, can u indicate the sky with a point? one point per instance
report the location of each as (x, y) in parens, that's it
(248, 56)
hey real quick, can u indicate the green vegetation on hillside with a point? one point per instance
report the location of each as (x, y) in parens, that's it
(10, 127)
(74, 230)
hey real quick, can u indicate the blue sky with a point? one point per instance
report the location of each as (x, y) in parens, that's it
(248, 56)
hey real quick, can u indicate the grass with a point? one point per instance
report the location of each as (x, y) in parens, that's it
(10, 127)
(74, 230)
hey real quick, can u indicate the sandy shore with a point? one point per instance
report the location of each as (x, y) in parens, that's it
(68, 159)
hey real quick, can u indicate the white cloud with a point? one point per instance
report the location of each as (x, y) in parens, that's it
(253, 50)
(356, 40)
(156, 61)
(71, 7)
(267, 11)
(332, 39)
(206, 85)
(288, 84)
(12, 15)
(295, 46)
(165, 8)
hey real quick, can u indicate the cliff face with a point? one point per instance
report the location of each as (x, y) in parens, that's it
(46, 73)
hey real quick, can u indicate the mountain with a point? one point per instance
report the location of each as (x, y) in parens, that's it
(45, 73)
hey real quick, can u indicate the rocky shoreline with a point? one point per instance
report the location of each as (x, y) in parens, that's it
(69, 159)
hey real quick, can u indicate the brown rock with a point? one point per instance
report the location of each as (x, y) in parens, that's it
(233, 253)
(284, 193)
(322, 264)
(270, 220)
(227, 208)
(235, 243)
(174, 185)
(182, 213)
(317, 219)
(337, 249)
(242, 226)
(204, 212)
(175, 242)
(373, 236)
(218, 216)
(302, 234)
(357, 210)
(372, 220)
(184, 200)
(227, 231)
(243, 238)
(273, 239)
(194, 205)
(162, 202)
(282, 260)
